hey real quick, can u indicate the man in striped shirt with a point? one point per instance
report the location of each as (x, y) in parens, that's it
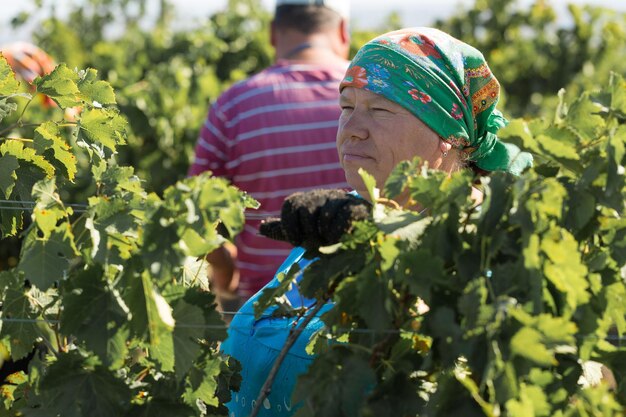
(274, 134)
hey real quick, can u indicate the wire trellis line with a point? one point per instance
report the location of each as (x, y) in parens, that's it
(15, 205)
(610, 338)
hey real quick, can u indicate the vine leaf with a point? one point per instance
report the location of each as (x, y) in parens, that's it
(188, 331)
(8, 83)
(45, 261)
(17, 305)
(6, 108)
(47, 136)
(583, 117)
(152, 315)
(564, 268)
(617, 86)
(49, 209)
(17, 149)
(75, 386)
(95, 314)
(102, 127)
(337, 384)
(202, 383)
(8, 165)
(399, 177)
(60, 85)
(532, 401)
(94, 91)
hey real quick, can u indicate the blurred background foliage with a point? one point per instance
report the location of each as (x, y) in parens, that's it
(166, 78)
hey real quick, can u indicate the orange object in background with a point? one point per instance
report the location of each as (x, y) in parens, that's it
(29, 62)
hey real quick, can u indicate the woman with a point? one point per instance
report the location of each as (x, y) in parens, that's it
(412, 92)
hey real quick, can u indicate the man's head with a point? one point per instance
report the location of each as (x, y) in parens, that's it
(318, 22)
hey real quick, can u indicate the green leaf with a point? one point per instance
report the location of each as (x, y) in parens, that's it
(420, 270)
(389, 251)
(60, 85)
(11, 222)
(583, 118)
(398, 179)
(336, 385)
(17, 149)
(28, 175)
(49, 209)
(152, 316)
(370, 184)
(213, 327)
(47, 137)
(201, 384)
(8, 83)
(189, 330)
(17, 305)
(45, 262)
(8, 165)
(372, 298)
(95, 315)
(565, 269)
(93, 91)
(477, 313)
(518, 132)
(616, 150)
(75, 386)
(617, 86)
(532, 401)
(559, 144)
(615, 296)
(6, 108)
(527, 342)
(102, 127)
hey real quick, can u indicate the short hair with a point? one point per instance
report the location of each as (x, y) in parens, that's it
(307, 19)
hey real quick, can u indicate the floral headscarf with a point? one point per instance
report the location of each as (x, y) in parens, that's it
(446, 84)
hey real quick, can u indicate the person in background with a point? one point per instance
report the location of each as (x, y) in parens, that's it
(274, 133)
(29, 62)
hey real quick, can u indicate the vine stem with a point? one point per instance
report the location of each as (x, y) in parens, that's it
(294, 333)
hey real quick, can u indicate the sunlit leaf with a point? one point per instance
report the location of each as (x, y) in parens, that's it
(47, 136)
(8, 83)
(17, 149)
(93, 90)
(152, 317)
(103, 127)
(528, 343)
(8, 165)
(60, 86)
(202, 383)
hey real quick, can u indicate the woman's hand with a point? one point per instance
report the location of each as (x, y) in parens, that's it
(316, 218)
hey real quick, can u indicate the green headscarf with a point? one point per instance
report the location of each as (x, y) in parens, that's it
(446, 84)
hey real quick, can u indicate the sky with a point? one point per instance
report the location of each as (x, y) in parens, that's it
(366, 14)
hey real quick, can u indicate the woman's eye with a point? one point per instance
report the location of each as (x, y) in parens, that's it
(380, 109)
(347, 107)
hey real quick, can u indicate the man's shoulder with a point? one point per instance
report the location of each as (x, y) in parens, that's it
(280, 76)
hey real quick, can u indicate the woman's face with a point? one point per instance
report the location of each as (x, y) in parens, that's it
(376, 134)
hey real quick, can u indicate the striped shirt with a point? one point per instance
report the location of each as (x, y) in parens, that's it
(272, 135)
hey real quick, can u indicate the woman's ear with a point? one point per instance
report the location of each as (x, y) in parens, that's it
(444, 147)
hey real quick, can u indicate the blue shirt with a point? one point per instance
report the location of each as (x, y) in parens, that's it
(257, 343)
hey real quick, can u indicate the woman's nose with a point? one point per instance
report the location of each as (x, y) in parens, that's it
(354, 125)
